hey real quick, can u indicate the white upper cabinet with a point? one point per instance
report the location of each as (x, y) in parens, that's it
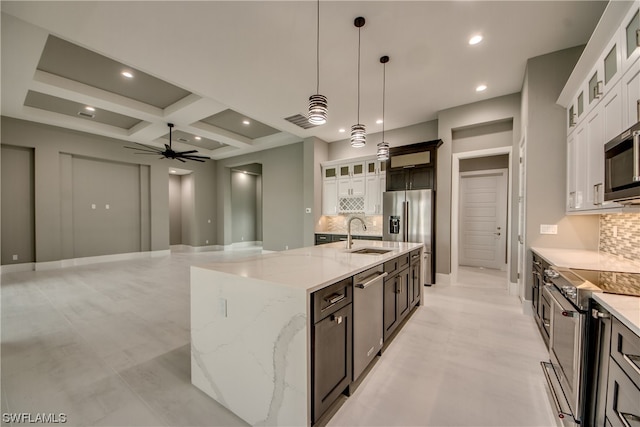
(602, 98)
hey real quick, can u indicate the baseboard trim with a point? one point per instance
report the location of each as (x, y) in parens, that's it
(17, 268)
(513, 289)
(189, 248)
(74, 262)
(443, 279)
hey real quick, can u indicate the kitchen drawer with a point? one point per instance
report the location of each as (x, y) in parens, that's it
(623, 398)
(326, 301)
(339, 238)
(323, 238)
(367, 237)
(414, 256)
(394, 265)
(625, 349)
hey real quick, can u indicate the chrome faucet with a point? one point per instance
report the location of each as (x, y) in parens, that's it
(349, 238)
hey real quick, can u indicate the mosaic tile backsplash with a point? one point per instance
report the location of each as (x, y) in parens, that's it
(338, 224)
(627, 242)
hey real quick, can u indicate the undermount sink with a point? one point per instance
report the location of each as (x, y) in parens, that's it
(371, 251)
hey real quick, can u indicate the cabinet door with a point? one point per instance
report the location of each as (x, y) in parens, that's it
(404, 293)
(416, 286)
(372, 198)
(420, 178)
(390, 315)
(329, 172)
(358, 186)
(396, 180)
(631, 96)
(571, 172)
(357, 169)
(579, 167)
(612, 117)
(332, 359)
(631, 48)
(595, 159)
(330, 197)
(344, 187)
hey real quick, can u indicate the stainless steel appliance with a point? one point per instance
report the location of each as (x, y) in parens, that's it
(569, 293)
(367, 317)
(408, 217)
(622, 167)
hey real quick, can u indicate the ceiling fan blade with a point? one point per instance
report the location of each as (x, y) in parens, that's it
(186, 152)
(149, 153)
(197, 157)
(178, 158)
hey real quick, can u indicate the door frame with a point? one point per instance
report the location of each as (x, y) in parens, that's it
(504, 177)
(455, 204)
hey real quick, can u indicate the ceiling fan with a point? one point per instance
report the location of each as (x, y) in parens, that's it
(168, 152)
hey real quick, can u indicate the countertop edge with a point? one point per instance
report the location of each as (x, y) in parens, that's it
(612, 304)
(577, 258)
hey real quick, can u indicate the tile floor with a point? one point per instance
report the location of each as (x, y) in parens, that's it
(108, 345)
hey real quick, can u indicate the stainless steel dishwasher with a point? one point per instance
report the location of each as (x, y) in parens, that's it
(367, 317)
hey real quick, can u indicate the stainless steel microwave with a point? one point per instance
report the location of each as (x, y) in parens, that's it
(622, 167)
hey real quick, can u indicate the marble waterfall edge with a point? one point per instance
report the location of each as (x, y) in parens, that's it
(249, 346)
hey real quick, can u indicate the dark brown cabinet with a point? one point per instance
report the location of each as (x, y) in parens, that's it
(416, 283)
(331, 345)
(539, 301)
(398, 293)
(412, 167)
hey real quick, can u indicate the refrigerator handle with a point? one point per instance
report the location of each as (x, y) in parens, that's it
(405, 225)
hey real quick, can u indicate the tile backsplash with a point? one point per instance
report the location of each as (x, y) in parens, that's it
(338, 224)
(620, 235)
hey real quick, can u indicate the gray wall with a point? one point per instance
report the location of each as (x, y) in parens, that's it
(504, 109)
(244, 206)
(426, 131)
(546, 158)
(482, 137)
(484, 163)
(56, 151)
(18, 205)
(175, 209)
(316, 151)
(283, 203)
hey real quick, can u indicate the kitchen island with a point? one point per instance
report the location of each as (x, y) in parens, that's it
(252, 325)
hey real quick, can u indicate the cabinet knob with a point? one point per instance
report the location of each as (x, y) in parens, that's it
(337, 319)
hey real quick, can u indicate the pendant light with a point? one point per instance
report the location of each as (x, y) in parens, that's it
(317, 102)
(358, 131)
(383, 147)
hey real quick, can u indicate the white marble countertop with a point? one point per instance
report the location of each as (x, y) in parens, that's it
(625, 308)
(314, 267)
(587, 260)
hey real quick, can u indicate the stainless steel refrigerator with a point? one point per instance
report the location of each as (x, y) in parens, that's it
(408, 217)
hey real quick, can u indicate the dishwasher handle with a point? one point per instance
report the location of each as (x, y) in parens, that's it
(364, 285)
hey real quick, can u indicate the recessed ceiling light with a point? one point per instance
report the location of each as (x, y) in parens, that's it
(481, 88)
(475, 39)
(197, 138)
(341, 130)
(89, 108)
(246, 122)
(127, 74)
(379, 121)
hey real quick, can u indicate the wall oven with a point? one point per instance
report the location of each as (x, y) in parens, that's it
(622, 167)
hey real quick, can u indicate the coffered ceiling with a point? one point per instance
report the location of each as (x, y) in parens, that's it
(230, 72)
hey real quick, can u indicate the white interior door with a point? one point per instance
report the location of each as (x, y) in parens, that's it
(483, 219)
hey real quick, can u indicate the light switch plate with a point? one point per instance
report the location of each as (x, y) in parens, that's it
(548, 229)
(307, 210)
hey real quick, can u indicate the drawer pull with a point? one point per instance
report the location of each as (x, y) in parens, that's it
(372, 279)
(632, 360)
(334, 298)
(337, 319)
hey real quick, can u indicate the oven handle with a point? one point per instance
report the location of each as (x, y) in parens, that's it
(567, 309)
(556, 402)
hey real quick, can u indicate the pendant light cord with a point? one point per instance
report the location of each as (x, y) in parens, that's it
(384, 89)
(318, 50)
(359, 74)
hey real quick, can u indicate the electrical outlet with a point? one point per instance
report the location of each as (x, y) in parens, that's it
(15, 257)
(286, 247)
(209, 221)
(93, 205)
(106, 206)
(206, 242)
